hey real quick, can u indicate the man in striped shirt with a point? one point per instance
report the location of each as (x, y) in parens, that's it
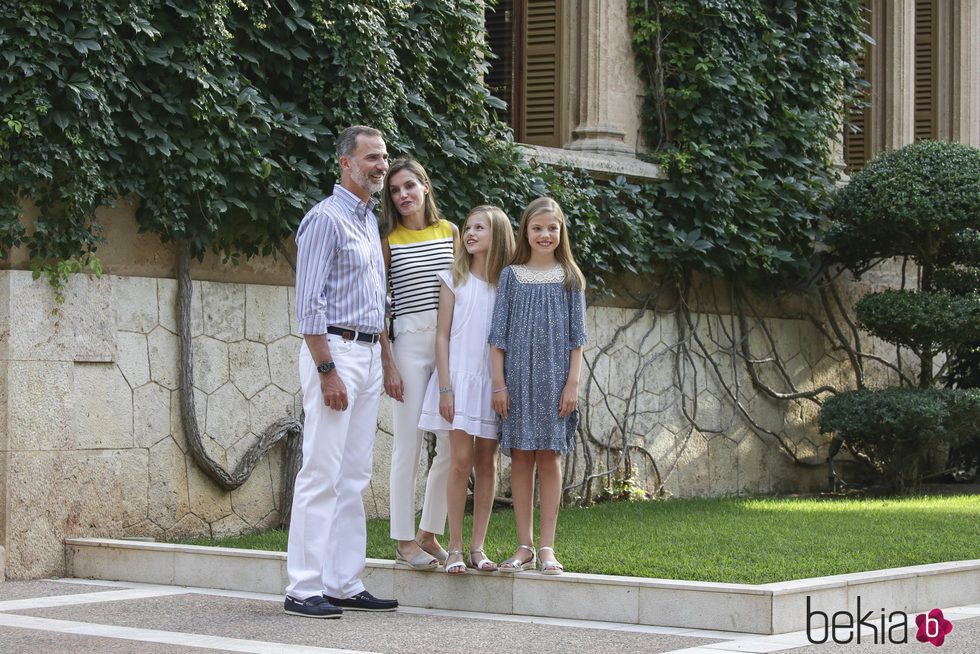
(340, 307)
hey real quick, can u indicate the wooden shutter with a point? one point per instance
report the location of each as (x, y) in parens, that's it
(857, 135)
(499, 22)
(925, 69)
(542, 45)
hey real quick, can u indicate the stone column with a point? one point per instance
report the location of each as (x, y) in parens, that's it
(598, 30)
(958, 104)
(893, 74)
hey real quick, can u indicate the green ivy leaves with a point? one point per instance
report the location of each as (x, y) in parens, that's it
(744, 102)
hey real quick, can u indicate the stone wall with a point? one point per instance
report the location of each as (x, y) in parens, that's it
(91, 442)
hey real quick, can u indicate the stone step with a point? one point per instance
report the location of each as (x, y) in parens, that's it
(762, 609)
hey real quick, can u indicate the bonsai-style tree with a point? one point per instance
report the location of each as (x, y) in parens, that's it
(921, 203)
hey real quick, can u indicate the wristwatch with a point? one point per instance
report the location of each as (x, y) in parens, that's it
(325, 367)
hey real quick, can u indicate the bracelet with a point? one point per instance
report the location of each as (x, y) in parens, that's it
(499, 390)
(445, 389)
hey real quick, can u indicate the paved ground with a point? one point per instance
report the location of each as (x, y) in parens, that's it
(95, 616)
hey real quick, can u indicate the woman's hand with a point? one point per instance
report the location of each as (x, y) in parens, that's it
(501, 402)
(394, 386)
(569, 399)
(447, 406)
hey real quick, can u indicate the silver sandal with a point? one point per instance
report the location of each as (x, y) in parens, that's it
(421, 561)
(515, 564)
(550, 567)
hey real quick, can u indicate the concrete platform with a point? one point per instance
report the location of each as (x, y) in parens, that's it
(758, 609)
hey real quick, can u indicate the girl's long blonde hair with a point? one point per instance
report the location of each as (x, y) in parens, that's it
(390, 218)
(501, 246)
(574, 279)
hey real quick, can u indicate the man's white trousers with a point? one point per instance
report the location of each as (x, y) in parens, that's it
(327, 531)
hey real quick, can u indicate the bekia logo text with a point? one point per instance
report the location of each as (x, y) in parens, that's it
(844, 627)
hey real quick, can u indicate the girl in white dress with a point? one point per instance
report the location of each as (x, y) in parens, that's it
(458, 399)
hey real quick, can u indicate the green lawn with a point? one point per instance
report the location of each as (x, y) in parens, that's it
(732, 539)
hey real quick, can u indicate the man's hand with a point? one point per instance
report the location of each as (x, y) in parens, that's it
(334, 391)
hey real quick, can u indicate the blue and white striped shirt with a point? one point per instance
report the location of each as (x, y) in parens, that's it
(340, 277)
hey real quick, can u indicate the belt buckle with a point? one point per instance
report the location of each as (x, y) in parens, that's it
(348, 335)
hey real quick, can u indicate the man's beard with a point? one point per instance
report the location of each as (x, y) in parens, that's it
(364, 180)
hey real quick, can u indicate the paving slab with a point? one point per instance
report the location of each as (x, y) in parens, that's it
(15, 590)
(395, 633)
(30, 641)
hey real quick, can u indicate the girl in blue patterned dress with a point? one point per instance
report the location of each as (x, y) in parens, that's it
(458, 399)
(536, 337)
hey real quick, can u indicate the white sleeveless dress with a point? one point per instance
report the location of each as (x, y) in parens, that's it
(469, 364)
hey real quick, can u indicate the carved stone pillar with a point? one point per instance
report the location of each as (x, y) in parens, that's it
(893, 74)
(598, 35)
(958, 101)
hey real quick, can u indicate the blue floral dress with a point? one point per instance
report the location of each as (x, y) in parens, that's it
(537, 322)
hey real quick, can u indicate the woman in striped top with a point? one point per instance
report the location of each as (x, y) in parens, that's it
(417, 244)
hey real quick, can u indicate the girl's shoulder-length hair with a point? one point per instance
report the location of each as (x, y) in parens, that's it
(390, 218)
(574, 279)
(501, 246)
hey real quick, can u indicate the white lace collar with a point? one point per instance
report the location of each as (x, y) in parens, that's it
(527, 276)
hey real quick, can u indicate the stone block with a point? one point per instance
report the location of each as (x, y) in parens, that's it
(135, 302)
(731, 611)
(693, 467)
(227, 415)
(190, 526)
(267, 406)
(207, 500)
(134, 564)
(249, 366)
(164, 348)
(102, 405)
(151, 414)
(254, 500)
(893, 594)
(224, 310)
(238, 570)
(266, 313)
(167, 298)
(39, 405)
(168, 494)
(613, 602)
(230, 525)
(723, 466)
(210, 363)
(789, 608)
(753, 466)
(54, 495)
(82, 329)
(3, 564)
(283, 363)
(133, 358)
(959, 588)
(474, 592)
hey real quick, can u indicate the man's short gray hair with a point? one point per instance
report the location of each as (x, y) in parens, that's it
(347, 141)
